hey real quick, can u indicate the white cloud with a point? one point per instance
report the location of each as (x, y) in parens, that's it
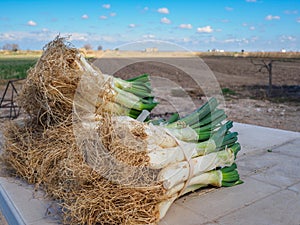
(78, 37)
(40, 38)
(236, 41)
(27, 35)
(163, 10)
(106, 6)
(285, 38)
(186, 40)
(251, 1)
(8, 37)
(132, 25)
(113, 14)
(244, 24)
(252, 28)
(91, 37)
(186, 26)
(291, 12)
(165, 20)
(31, 23)
(149, 36)
(228, 8)
(298, 20)
(84, 16)
(270, 17)
(206, 29)
(103, 17)
(231, 40)
(146, 8)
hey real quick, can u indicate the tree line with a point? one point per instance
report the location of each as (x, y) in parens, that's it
(11, 47)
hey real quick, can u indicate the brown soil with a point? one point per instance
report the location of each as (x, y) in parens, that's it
(244, 88)
(249, 103)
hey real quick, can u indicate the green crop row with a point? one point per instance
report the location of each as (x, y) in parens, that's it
(15, 68)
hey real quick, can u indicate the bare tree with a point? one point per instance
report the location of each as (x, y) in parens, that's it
(264, 65)
(100, 48)
(11, 47)
(87, 47)
(14, 47)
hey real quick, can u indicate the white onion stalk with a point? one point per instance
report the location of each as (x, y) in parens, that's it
(224, 177)
(162, 157)
(184, 134)
(180, 172)
(202, 180)
(213, 178)
(165, 205)
(163, 148)
(155, 135)
(165, 141)
(112, 89)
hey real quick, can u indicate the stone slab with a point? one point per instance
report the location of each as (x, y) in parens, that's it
(270, 194)
(295, 188)
(190, 216)
(220, 202)
(255, 138)
(24, 203)
(292, 148)
(281, 208)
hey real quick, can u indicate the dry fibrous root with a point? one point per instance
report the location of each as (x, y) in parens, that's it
(52, 159)
(51, 84)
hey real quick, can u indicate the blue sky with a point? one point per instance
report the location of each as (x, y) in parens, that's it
(253, 25)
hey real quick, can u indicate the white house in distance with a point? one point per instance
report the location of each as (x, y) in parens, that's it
(216, 50)
(283, 50)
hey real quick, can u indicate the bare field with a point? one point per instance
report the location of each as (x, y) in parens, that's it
(250, 104)
(244, 88)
